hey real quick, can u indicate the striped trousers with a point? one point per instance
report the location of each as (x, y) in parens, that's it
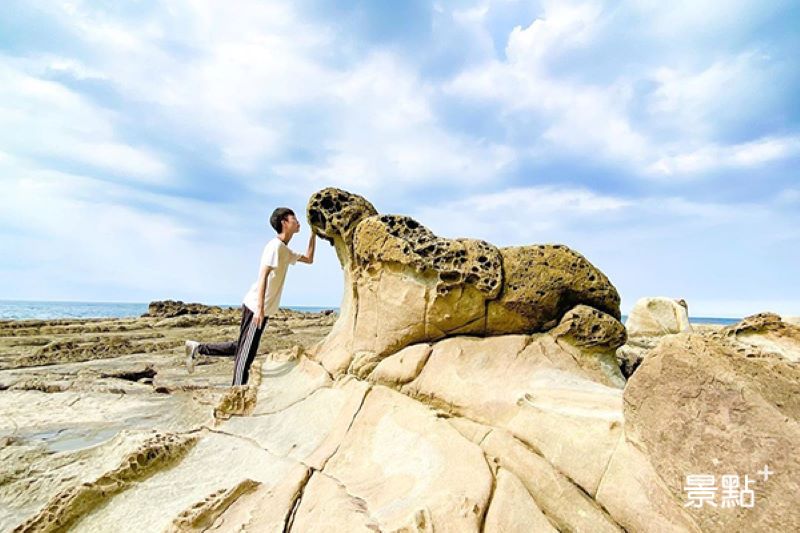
(244, 348)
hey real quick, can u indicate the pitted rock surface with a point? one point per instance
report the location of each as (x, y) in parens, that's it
(768, 335)
(69, 505)
(335, 213)
(589, 328)
(542, 282)
(759, 323)
(406, 285)
(401, 239)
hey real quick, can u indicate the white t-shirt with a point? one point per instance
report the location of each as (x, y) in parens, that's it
(278, 256)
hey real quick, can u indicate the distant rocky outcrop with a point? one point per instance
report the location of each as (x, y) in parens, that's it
(172, 308)
(768, 334)
(651, 319)
(405, 285)
(657, 316)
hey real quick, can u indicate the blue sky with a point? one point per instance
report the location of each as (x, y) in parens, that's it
(144, 144)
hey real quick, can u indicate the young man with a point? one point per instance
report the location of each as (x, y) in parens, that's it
(262, 300)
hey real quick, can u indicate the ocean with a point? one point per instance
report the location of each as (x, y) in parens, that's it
(22, 310)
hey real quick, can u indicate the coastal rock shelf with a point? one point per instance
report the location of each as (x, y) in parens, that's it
(455, 425)
(465, 434)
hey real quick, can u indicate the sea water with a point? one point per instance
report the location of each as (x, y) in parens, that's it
(25, 310)
(22, 310)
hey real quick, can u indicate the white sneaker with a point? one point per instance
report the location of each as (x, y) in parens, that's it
(191, 351)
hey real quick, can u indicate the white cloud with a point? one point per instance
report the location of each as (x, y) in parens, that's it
(249, 68)
(46, 65)
(689, 21)
(579, 118)
(696, 103)
(686, 109)
(519, 215)
(256, 83)
(563, 25)
(44, 119)
(713, 157)
(789, 196)
(81, 232)
(389, 134)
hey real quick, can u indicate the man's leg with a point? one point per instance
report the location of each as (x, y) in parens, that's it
(224, 348)
(246, 351)
(215, 348)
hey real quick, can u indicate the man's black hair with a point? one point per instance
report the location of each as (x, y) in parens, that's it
(278, 216)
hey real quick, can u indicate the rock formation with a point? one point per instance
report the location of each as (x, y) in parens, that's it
(405, 285)
(650, 320)
(170, 308)
(724, 403)
(658, 316)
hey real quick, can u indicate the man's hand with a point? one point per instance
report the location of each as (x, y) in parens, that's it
(258, 317)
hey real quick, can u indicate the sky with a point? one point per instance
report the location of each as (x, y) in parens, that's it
(144, 144)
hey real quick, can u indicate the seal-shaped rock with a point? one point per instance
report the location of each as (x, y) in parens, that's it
(404, 284)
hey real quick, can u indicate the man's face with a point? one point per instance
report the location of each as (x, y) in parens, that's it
(291, 225)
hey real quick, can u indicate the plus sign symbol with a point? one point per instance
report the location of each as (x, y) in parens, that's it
(765, 472)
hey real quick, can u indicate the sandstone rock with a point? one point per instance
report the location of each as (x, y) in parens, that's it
(31, 476)
(565, 504)
(402, 367)
(335, 214)
(636, 497)
(590, 329)
(513, 509)
(200, 516)
(404, 285)
(630, 356)
(700, 405)
(592, 337)
(328, 507)
(171, 308)
(534, 388)
(266, 509)
(239, 400)
(649, 321)
(769, 334)
(658, 316)
(309, 430)
(541, 283)
(216, 464)
(408, 466)
(286, 383)
(67, 507)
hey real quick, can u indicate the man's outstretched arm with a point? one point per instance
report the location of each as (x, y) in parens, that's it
(263, 276)
(309, 257)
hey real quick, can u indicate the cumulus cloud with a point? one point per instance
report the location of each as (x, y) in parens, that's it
(82, 232)
(620, 129)
(686, 107)
(46, 120)
(253, 75)
(713, 157)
